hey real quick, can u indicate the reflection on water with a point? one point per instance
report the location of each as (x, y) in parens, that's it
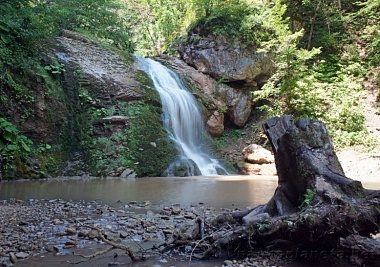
(219, 191)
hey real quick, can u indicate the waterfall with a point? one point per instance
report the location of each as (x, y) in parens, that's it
(182, 120)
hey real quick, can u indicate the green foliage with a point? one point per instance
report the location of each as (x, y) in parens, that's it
(84, 97)
(366, 21)
(56, 68)
(14, 149)
(229, 136)
(322, 22)
(235, 134)
(157, 24)
(224, 18)
(262, 226)
(306, 85)
(219, 142)
(319, 69)
(308, 198)
(51, 17)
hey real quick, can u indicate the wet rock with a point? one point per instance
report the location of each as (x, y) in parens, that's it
(228, 263)
(123, 234)
(151, 229)
(80, 219)
(167, 231)
(49, 248)
(93, 234)
(21, 255)
(57, 221)
(165, 217)
(145, 203)
(83, 233)
(71, 231)
(189, 216)
(166, 212)
(71, 243)
(176, 211)
(128, 174)
(56, 249)
(45, 236)
(12, 257)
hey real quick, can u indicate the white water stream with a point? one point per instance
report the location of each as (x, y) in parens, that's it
(182, 120)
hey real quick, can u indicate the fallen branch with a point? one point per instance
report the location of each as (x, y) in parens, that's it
(113, 245)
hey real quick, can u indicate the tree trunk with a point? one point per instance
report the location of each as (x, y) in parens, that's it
(315, 204)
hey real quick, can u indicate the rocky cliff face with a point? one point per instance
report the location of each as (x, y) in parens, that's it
(103, 117)
(236, 71)
(218, 99)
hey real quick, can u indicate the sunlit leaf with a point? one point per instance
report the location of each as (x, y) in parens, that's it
(25, 146)
(12, 147)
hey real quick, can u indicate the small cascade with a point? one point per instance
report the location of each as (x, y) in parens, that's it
(183, 121)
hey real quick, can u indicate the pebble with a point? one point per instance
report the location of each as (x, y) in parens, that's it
(21, 255)
(71, 231)
(12, 257)
(55, 226)
(176, 211)
(227, 263)
(123, 234)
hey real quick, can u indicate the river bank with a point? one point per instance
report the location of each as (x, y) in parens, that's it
(45, 232)
(61, 233)
(33, 230)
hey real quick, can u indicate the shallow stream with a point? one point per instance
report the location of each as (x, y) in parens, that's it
(218, 191)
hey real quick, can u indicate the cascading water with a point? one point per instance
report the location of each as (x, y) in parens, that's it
(182, 120)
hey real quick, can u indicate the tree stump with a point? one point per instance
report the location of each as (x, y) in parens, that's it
(315, 205)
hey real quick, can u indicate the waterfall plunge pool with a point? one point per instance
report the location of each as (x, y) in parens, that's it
(236, 191)
(216, 191)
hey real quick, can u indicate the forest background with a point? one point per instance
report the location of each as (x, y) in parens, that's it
(326, 53)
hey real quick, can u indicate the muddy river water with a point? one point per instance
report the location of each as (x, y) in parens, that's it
(217, 191)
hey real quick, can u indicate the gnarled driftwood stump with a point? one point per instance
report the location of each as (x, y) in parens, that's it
(315, 206)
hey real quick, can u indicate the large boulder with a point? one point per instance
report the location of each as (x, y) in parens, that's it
(257, 154)
(257, 160)
(224, 59)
